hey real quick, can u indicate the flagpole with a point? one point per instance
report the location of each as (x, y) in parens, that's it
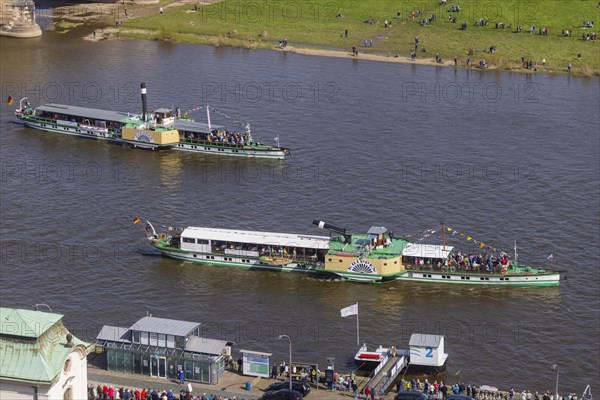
(444, 237)
(357, 330)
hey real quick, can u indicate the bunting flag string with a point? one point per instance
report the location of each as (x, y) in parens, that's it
(428, 232)
(172, 228)
(422, 235)
(241, 124)
(471, 239)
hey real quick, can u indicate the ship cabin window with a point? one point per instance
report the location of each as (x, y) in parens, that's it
(135, 336)
(203, 241)
(170, 341)
(188, 240)
(179, 342)
(249, 247)
(144, 338)
(153, 339)
(162, 340)
(220, 245)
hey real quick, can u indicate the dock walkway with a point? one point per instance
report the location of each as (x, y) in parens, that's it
(385, 374)
(231, 385)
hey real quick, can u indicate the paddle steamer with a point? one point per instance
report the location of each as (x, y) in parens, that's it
(160, 129)
(374, 256)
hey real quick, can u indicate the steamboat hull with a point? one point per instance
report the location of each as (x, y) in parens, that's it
(543, 279)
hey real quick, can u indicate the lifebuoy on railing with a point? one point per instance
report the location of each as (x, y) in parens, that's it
(162, 236)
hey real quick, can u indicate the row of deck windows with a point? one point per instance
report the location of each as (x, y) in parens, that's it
(208, 148)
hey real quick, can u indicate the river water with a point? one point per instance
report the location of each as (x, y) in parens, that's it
(496, 155)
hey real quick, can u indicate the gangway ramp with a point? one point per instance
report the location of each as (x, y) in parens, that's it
(385, 373)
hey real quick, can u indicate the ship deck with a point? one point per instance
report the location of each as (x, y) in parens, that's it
(359, 243)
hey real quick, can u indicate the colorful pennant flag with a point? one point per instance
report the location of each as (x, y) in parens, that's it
(136, 220)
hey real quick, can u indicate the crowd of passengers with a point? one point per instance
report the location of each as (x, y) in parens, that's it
(283, 252)
(465, 262)
(222, 137)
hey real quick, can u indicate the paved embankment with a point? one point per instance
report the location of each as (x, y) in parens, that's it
(230, 384)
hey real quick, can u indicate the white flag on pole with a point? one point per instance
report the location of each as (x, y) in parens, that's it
(350, 310)
(551, 256)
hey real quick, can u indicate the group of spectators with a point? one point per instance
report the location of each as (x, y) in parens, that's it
(108, 392)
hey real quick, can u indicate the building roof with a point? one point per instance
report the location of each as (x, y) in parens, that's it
(213, 347)
(424, 340)
(114, 334)
(261, 238)
(37, 359)
(166, 326)
(26, 323)
(426, 250)
(257, 353)
(85, 112)
(193, 126)
(377, 230)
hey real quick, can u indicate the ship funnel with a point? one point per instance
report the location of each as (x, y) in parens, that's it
(144, 105)
(324, 225)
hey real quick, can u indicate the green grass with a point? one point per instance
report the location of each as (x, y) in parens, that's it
(314, 23)
(65, 26)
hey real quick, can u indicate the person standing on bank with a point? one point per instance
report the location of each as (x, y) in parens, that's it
(181, 376)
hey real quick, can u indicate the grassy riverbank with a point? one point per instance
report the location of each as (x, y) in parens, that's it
(261, 24)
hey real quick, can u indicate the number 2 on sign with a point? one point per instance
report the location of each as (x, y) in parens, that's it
(429, 352)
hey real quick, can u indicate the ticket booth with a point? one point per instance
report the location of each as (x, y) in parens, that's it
(427, 354)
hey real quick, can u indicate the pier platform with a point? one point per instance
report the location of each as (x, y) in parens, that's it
(230, 384)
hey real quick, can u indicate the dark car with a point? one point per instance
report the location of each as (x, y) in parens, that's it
(282, 394)
(459, 397)
(298, 386)
(409, 395)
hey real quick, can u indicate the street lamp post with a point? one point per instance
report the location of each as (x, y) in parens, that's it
(555, 366)
(288, 338)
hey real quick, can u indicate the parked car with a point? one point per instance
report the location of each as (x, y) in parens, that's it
(298, 386)
(410, 395)
(282, 394)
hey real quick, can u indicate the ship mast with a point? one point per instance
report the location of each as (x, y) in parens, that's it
(516, 255)
(208, 118)
(444, 237)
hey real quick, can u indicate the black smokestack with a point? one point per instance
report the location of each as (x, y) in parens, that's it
(334, 228)
(144, 105)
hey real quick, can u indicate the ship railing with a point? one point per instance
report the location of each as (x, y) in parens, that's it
(373, 374)
(358, 253)
(381, 386)
(213, 143)
(452, 269)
